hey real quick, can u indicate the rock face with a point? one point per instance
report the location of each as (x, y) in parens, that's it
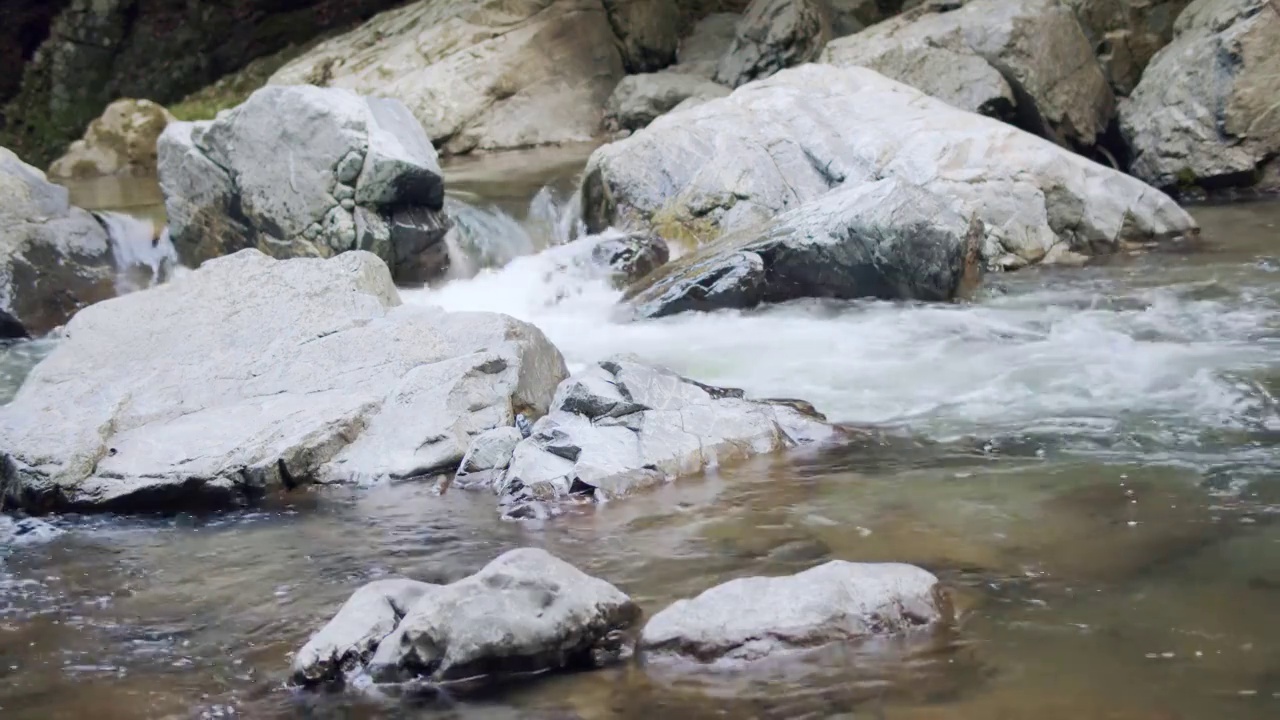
(54, 258)
(883, 239)
(772, 35)
(736, 162)
(252, 374)
(640, 99)
(649, 31)
(753, 618)
(350, 173)
(1027, 61)
(91, 52)
(700, 52)
(851, 16)
(1127, 34)
(620, 425)
(525, 612)
(1205, 112)
(479, 74)
(120, 142)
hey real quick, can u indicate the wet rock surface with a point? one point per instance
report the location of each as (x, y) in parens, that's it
(736, 162)
(526, 612)
(54, 258)
(1027, 61)
(621, 425)
(254, 375)
(754, 618)
(1204, 114)
(884, 239)
(352, 173)
(481, 74)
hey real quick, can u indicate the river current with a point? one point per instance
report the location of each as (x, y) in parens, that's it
(1090, 456)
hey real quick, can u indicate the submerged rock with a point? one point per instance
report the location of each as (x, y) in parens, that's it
(772, 35)
(629, 258)
(122, 141)
(347, 173)
(640, 99)
(480, 74)
(884, 239)
(1027, 61)
(737, 162)
(525, 612)
(251, 375)
(54, 258)
(621, 425)
(753, 618)
(1205, 112)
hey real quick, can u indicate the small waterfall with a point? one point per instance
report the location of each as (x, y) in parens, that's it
(143, 255)
(487, 237)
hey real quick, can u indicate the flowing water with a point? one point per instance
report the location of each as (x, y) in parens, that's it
(1090, 457)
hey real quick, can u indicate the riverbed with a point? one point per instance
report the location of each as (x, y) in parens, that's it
(1089, 456)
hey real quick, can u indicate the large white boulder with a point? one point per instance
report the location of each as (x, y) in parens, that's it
(251, 375)
(736, 162)
(479, 74)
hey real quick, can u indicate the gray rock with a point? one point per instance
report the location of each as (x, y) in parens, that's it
(851, 16)
(629, 258)
(620, 425)
(1127, 34)
(649, 31)
(1205, 112)
(1040, 69)
(700, 52)
(884, 239)
(347, 642)
(54, 258)
(525, 612)
(639, 99)
(11, 328)
(485, 74)
(488, 456)
(737, 162)
(772, 35)
(753, 618)
(252, 374)
(221, 197)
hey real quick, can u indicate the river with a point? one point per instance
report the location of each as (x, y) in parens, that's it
(1090, 457)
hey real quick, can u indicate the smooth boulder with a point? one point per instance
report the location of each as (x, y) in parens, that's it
(640, 99)
(122, 141)
(772, 35)
(346, 172)
(54, 258)
(737, 162)
(621, 425)
(479, 74)
(526, 612)
(252, 375)
(883, 239)
(1026, 61)
(754, 618)
(1205, 113)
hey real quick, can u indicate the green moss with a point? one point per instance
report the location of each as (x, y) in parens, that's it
(235, 88)
(1186, 178)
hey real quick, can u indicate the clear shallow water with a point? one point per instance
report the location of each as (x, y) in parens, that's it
(1089, 456)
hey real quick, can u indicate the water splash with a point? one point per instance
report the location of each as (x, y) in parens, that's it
(485, 236)
(144, 254)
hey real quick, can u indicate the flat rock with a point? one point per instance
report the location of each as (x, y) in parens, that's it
(1027, 61)
(737, 162)
(525, 612)
(639, 99)
(54, 258)
(251, 375)
(883, 239)
(753, 618)
(350, 173)
(621, 425)
(480, 74)
(1204, 114)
